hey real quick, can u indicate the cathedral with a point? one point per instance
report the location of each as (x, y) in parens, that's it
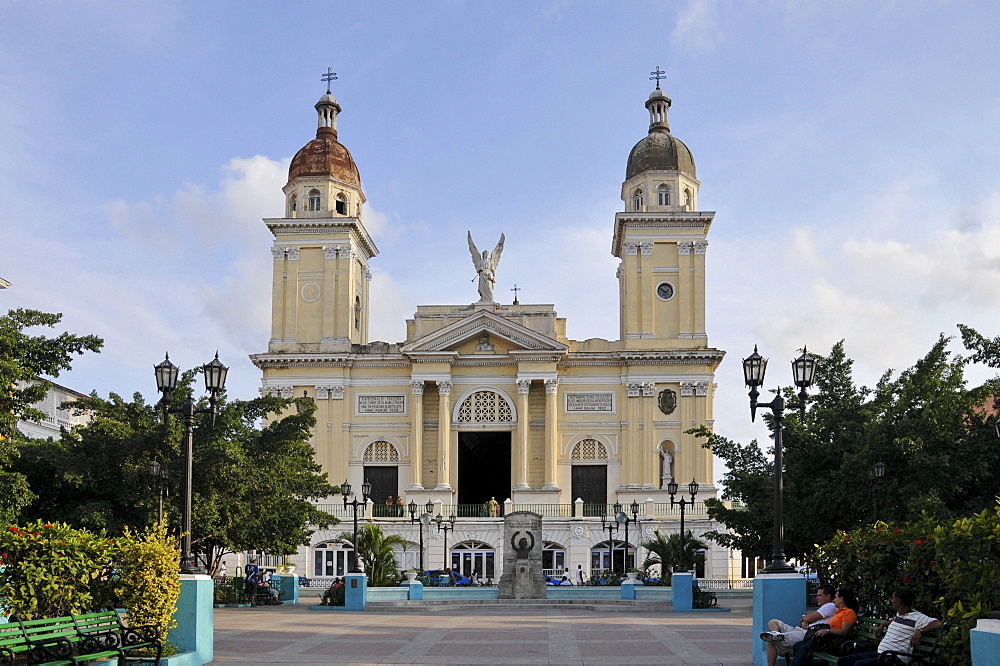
(487, 408)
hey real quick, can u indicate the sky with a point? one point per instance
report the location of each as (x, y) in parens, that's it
(850, 150)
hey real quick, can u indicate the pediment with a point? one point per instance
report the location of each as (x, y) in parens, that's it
(461, 333)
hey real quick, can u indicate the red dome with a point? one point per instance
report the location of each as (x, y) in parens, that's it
(325, 156)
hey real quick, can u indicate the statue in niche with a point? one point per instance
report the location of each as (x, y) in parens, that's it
(486, 266)
(668, 468)
(484, 343)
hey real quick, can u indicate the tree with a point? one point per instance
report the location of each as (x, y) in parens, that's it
(24, 360)
(924, 423)
(253, 487)
(666, 551)
(374, 548)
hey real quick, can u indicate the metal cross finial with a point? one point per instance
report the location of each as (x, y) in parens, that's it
(515, 290)
(658, 74)
(328, 77)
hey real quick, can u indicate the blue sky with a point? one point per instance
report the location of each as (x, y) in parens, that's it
(850, 149)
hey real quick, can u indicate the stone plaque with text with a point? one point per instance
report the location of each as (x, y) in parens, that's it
(381, 404)
(590, 402)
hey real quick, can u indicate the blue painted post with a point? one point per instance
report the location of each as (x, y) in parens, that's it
(781, 596)
(355, 591)
(628, 588)
(289, 585)
(681, 592)
(414, 589)
(195, 620)
(985, 639)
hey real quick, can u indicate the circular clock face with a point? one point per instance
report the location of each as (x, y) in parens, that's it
(665, 291)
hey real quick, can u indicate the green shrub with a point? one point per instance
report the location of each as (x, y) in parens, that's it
(150, 579)
(953, 567)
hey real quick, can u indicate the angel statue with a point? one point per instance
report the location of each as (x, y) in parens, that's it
(486, 266)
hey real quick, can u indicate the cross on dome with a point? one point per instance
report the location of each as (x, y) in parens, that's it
(331, 75)
(657, 75)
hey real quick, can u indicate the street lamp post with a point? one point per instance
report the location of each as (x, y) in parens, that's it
(803, 372)
(876, 476)
(160, 474)
(345, 490)
(166, 382)
(443, 526)
(693, 491)
(610, 526)
(622, 519)
(423, 519)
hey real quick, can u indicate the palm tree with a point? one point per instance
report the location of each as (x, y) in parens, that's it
(374, 548)
(666, 551)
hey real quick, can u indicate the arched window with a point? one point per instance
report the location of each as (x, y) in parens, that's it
(687, 199)
(611, 555)
(293, 203)
(381, 451)
(474, 556)
(341, 204)
(553, 559)
(314, 200)
(589, 449)
(407, 555)
(485, 407)
(330, 559)
(637, 199)
(357, 313)
(663, 195)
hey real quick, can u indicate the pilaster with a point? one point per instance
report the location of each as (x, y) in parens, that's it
(444, 436)
(416, 435)
(551, 432)
(521, 445)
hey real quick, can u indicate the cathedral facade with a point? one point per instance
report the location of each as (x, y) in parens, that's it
(488, 408)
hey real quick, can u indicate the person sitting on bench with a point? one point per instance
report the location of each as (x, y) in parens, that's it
(903, 632)
(782, 636)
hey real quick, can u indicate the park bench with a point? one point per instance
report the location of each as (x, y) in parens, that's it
(869, 629)
(62, 641)
(866, 629)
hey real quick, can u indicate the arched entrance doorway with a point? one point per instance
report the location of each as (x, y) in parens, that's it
(475, 556)
(484, 420)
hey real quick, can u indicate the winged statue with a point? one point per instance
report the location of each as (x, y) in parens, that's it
(486, 266)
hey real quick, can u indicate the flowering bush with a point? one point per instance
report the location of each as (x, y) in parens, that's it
(953, 567)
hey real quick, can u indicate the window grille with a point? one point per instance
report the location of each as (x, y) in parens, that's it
(381, 451)
(589, 449)
(485, 407)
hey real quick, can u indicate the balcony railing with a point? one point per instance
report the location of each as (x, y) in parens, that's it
(382, 511)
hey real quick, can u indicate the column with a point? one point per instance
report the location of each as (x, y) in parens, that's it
(685, 289)
(444, 435)
(363, 331)
(521, 445)
(416, 435)
(646, 451)
(633, 436)
(551, 432)
(330, 302)
(700, 247)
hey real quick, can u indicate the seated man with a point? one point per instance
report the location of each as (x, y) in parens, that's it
(903, 632)
(782, 636)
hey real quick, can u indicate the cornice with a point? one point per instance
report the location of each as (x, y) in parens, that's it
(701, 219)
(322, 225)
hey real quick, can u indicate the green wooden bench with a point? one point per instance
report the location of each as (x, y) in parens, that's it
(925, 652)
(866, 628)
(63, 641)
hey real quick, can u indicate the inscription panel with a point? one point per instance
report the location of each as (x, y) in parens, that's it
(590, 402)
(371, 403)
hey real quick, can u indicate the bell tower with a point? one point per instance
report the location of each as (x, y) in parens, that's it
(661, 239)
(321, 250)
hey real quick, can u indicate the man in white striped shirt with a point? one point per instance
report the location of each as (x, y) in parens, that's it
(903, 632)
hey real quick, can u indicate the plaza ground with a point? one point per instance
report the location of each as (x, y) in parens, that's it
(292, 634)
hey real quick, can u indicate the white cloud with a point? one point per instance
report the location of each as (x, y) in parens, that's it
(697, 30)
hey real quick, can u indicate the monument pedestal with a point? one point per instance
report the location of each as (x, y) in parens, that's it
(522, 562)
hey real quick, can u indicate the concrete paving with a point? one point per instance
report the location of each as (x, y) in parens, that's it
(292, 634)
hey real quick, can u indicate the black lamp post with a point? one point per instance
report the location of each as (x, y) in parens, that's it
(166, 382)
(610, 526)
(803, 372)
(876, 475)
(345, 490)
(423, 519)
(693, 491)
(444, 525)
(622, 519)
(160, 474)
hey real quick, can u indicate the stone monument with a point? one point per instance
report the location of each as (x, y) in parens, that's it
(522, 561)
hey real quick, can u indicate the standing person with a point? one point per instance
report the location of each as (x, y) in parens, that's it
(840, 624)
(222, 570)
(252, 572)
(474, 580)
(399, 506)
(493, 508)
(579, 574)
(782, 636)
(903, 633)
(390, 503)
